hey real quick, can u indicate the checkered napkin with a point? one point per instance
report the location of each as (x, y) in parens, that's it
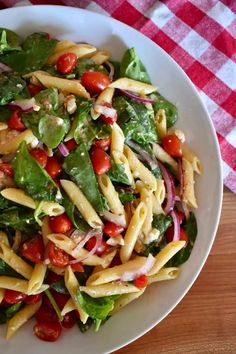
(201, 36)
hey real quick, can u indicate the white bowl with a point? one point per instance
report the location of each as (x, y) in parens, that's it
(140, 316)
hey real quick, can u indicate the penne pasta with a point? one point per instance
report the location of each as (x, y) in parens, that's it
(101, 56)
(158, 197)
(188, 190)
(104, 97)
(46, 230)
(3, 126)
(111, 195)
(117, 139)
(164, 157)
(189, 155)
(137, 87)
(37, 278)
(69, 306)
(4, 238)
(2, 292)
(120, 159)
(109, 289)
(125, 299)
(12, 283)
(161, 125)
(80, 50)
(146, 198)
(10, 147)
(82, 204)
(62, 45)
(164, 274)
(20, 318)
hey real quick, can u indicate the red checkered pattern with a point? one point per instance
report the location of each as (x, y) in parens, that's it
(201, 36)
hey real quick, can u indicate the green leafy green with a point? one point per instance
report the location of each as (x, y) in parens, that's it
(54, 304)
(48, 99)
(5, 114)
(190, 226)
(161, 222)
(52, 130)
(6, 270)
(83, 276)
(84, 327)
(170, 109)
(79, 167)
(59, 287)
(132, 67)
(32, 178)
(136, 121)
(117, 173)
(37, 48)
(9, 312)
(5, 203)
(73, 214)
(85, 64)
(9, 41)
(19, 218)
(127, 197)
(10, 87)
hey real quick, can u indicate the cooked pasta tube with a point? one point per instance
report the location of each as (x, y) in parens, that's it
(125, 300)
(164, 157)
(190, 156)
(46, 230)
(3, 126)
(4, 238)
(133, 86)
(117, 139)
(12, 283)
(158, 197)
(164, 274)
(80, 50)
(69, 306)
(70, 86)
(101, 56)
(146, 198)
(72, 286)
(133, 231)
(20, 318)
(62, 45)
(165, 255)
(161, 125)
(104, 97)
(11, 146)
(115, 288)
(14, 261)
(188, 190)
(2, 292)
(120, 159)
(82, 204)
(139, 170)
(37, 278)
(111, 195)
(112, 274)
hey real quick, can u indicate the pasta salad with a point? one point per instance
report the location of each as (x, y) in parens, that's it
(96, 185)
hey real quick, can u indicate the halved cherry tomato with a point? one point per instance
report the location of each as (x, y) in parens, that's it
(116, 261)
(15, 121)
(7, 169)
(61, 299)
(66, 63)
(102, 143)
(33, 249)
(170, 234)
(12, 296)
(172, 145)
(53, 166)
(40, 156)
(100, 250)
(58, 257)
(60, 224)
(48, 331)
(71, 144)
(108, 119)
(183, 236)
(32, 299)
(53, 277)
(112, 229)
(180, 216)
(46, 314)
(33, 89)
(141, 282)
(100, 161)
(77, 267)
(69, 320)
(95, 81)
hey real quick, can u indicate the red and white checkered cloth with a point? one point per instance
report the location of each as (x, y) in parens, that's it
(201, 36)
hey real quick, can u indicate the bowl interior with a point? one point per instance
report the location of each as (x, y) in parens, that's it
(159, 300)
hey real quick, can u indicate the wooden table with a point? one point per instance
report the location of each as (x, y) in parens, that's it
(205, 320)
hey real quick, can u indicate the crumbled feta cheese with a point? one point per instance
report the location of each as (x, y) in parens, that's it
(180, 134)
(116, 241)
(152, 236)
(70, 104)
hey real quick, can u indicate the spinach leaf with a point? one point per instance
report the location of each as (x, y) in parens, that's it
(84, 327)
(79, 167)
(37, 48)
(73, 214)
(9, 41)
(83, 276)
(7, 313)
(31, 177)
(127, 197)
(59, 287)
(136, 121)
(53, 129)
(170, 109)
(6, 270)
(85, 129)
(85, 64)
(5, 114)
(161, 222)
(5, 203)
(132, 67)
(48, 99)
(190, 226)
(117, 173)
(19, 218)
(10, 87)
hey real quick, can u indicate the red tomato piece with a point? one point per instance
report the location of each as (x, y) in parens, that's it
(141, 282)
(71, 144)
(48, 331)
(95, 81)
(58, 257)
(112, 230)
(180, 216)
(7, 169)
(100, 161)
(108, 119)
(100, 250)
(40, 156)
(15, 121)
(32, 299)
(77, 267)
(61, 299)
(69, 320)
(116, 261)
(53, 166)
(102, 143)
(172, 145)
(53, 277)
(66, 63)
(33, 249)
(33, 89)
(46, 314)
(183, 236)
(60, 224)
(12, 296)
(170, 234)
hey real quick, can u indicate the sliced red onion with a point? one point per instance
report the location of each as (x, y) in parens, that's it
(4, 68)
(63, 149)
(76, 236)
(106, 111)
(185, 210)
(111, 68)
(153, 163)
(85, 239)
(26, 105)
(181, 177)
(137, 98)
(170, 188)
(116, 219)
(177, 198)
(145, 269)
(176, 224)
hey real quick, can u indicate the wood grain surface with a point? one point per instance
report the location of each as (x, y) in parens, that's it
(205, 320)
